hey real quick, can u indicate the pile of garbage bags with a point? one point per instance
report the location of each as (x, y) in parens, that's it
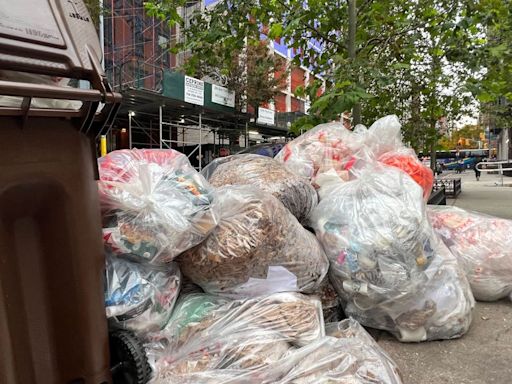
(482, 245)
(279, 338)
(244, 273)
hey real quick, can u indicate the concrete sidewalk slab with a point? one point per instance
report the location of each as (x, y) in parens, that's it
(484, 354)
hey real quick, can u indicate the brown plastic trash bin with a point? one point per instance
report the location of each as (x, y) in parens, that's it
(52, 318)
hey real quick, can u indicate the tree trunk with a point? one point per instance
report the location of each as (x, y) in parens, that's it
(352, 26)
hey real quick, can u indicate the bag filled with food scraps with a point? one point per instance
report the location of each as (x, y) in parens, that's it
(257, 248)
(267, 174)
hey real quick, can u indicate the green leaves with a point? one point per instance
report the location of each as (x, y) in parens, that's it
(414, 58)
(276, 31)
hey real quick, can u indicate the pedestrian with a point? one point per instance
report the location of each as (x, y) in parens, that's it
(477, 172)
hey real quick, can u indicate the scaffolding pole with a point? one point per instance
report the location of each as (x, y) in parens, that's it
(200, 142)
(130, 130)
(160, 124)
(246, 135)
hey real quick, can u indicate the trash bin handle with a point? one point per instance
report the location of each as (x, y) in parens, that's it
(11, 88)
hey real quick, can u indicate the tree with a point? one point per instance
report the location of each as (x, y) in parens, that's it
(231, 46)
(417, 59)
(94, 8)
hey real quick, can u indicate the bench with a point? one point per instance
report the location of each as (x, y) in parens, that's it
(452, 186)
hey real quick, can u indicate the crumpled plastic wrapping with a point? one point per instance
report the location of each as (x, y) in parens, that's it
(383, 136)
(325, 147)
(155, 205)
(483, 246)
(387, 265)
(206, 333)
(140, 297)
(257, 248)
(267, 174)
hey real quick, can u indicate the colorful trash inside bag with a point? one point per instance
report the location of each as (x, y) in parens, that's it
(406, 160)
(138, 296)
(257, 248)
(154, 204)
(267, 174)
(483, 246)
(326, 147)
(387, 265)
(206, 334)
(384, 144)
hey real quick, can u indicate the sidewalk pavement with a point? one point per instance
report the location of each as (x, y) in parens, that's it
(484, 354)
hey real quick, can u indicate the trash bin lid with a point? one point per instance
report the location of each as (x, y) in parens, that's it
(50, 37)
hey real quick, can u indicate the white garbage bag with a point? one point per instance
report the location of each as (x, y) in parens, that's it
(483, 246)
(387, 265)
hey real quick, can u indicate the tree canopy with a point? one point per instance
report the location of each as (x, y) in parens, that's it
(421, 60)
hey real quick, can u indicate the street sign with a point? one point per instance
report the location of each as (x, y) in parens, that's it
(194, 91)
(266, 116)
(223, 96)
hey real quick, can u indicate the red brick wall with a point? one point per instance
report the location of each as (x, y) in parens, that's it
(298, 78)
(280, 102)
(297, 105)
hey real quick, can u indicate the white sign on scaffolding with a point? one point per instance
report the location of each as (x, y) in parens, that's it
(194, 91)
(223, 96)
(266, 116)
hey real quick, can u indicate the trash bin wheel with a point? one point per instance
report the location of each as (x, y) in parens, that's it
(128, 361)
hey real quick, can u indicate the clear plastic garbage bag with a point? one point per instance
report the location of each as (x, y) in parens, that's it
(483, 246)
(257, 248)
(387, 265)
(348, 355)
(326, 147)
(154, 204)
(269, 175)
(138, 296)
(333, 149)
(208, 334)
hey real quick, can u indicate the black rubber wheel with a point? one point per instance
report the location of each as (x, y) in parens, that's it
(128, 361)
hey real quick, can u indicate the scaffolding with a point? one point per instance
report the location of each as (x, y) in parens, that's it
(136, 46)
(136, 59)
